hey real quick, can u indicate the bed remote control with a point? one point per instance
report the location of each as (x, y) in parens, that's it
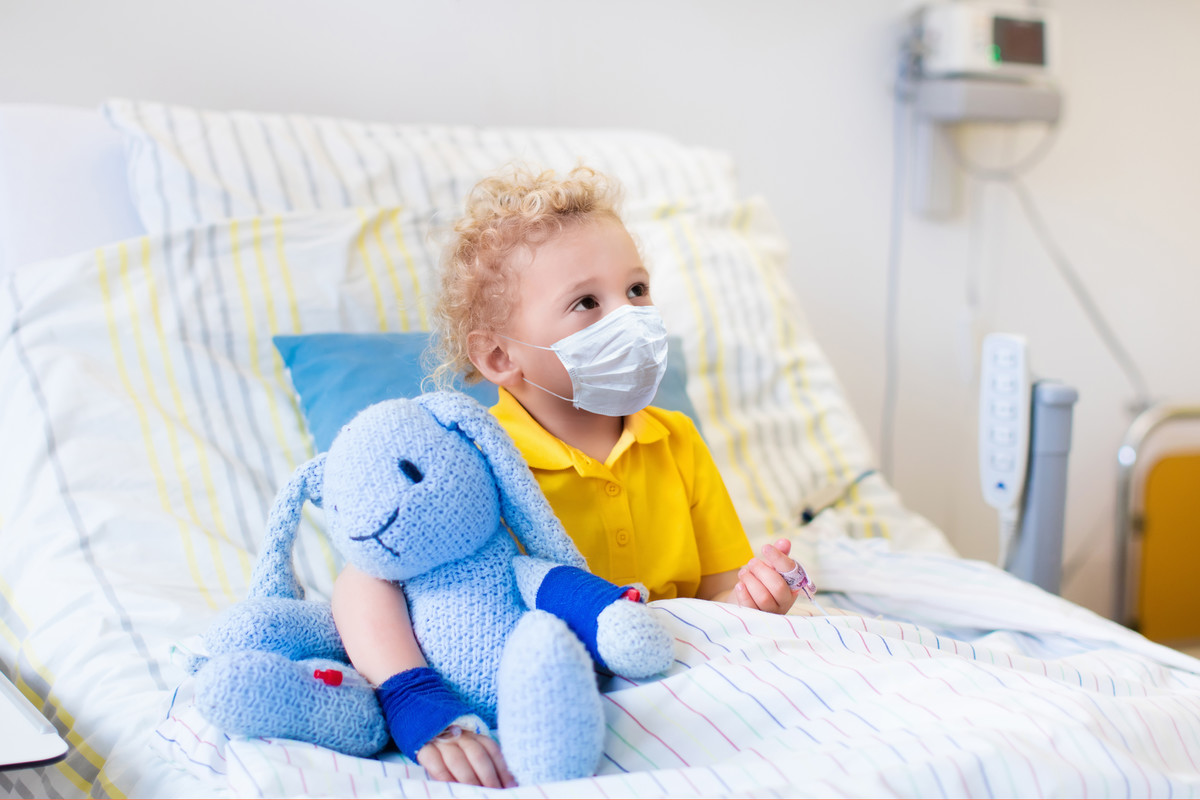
(1004, 426)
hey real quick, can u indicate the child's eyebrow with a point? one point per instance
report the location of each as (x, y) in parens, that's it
(577, 287)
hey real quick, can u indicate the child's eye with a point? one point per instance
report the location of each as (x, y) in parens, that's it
(638, 290)
(585, 304)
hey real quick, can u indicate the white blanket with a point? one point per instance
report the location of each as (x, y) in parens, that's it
(1042, 699)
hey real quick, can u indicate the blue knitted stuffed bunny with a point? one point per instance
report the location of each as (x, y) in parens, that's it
(424, 492)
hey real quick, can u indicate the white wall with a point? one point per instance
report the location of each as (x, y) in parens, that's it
(800, 92)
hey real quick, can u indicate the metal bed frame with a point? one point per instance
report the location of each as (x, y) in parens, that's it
(1128, 525)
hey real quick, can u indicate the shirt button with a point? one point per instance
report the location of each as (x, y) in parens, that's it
(622, 536)
(613, 489)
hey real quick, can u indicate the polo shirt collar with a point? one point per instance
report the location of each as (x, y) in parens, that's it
(543, 450)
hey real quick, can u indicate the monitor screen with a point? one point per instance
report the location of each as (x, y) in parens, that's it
(1018, 41)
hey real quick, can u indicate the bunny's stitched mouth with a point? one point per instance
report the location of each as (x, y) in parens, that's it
(387, 524)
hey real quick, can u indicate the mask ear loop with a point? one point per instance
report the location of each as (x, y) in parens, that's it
(547, 391)
(570, 400)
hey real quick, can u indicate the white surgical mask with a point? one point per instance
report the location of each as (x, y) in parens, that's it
(615, 364)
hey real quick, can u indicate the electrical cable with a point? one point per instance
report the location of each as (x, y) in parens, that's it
(1083, 296)
(901, 96)
(809, 513)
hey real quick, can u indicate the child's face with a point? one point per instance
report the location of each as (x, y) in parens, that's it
(585, 273)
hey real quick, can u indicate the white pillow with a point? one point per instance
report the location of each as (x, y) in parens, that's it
(189, 166)
(62, 183)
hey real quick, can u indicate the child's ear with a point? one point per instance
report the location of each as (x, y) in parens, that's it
(489, 354)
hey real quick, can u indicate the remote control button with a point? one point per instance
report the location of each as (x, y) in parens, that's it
(1005, 358)
(1004, 409)
(1002, 461)
(1004, 384)
(1002, 434)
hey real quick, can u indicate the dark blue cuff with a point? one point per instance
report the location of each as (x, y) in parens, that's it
(577, 597)
(418, 706)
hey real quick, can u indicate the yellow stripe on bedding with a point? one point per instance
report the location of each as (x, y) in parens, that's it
(252, 340)
(144, 423)
(360, 244)
(375, 225)
(264, 276)
(151, 392)
(181, 411)
(288, 287)
(109, 787)
(418, 294)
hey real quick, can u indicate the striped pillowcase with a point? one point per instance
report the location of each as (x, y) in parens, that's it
(189, 166)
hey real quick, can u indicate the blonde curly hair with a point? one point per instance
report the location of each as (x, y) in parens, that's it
(515, 210)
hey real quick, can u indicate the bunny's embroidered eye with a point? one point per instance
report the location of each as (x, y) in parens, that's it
(410, 470)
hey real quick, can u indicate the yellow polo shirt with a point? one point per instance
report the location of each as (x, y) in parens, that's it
(655, 512)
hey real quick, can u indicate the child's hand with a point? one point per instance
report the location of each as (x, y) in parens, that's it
(760, 583)
(466, 757)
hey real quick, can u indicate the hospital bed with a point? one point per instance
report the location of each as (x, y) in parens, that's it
(151, 252)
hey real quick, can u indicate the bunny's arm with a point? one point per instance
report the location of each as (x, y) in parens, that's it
(610, 620)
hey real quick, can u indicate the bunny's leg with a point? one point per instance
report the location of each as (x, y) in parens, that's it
(549, 711)
(255, 693)
(296, 629)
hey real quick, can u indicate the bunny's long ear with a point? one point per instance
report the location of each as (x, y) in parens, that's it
(274, 575)
(522, 503)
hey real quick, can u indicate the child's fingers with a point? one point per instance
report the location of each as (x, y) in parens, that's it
(430, 758)
(506, 778)
(457, 763)
(758, 595)
(481, 761)
(782, 595)
(776, 557)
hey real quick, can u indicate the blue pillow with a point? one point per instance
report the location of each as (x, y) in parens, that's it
(337, 375)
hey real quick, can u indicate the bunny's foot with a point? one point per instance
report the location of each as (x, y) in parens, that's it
(324, 702)
(631, 641)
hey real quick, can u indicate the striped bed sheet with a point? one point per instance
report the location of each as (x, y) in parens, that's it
(147, 422)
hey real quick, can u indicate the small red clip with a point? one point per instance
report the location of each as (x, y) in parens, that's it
(633, 594)
(331, 677)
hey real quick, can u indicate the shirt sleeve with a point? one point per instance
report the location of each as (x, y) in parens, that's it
(720, 538)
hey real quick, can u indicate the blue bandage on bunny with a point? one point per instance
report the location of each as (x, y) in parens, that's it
(425, 492)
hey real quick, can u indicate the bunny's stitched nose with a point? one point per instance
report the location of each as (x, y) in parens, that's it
(410, 471)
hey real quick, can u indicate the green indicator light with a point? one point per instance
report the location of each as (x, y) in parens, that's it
(996, 53)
